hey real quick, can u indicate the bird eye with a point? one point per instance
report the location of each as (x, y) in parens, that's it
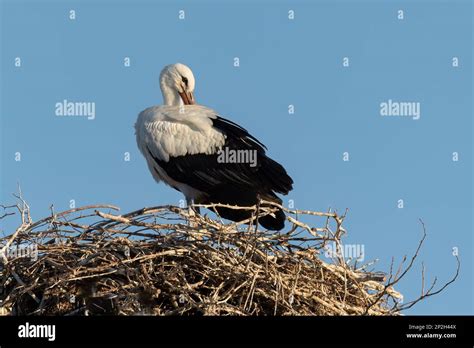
(185, 80)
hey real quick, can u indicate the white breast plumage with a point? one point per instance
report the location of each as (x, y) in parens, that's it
(172, 131)
(177, 131)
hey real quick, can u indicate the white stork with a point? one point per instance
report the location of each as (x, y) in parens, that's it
(183, 144)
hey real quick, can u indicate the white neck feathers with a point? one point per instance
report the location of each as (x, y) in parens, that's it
(170, 96)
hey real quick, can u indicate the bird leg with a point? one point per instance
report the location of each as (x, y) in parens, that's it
(192, 210)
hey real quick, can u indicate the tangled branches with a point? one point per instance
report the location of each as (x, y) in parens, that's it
(167, 261)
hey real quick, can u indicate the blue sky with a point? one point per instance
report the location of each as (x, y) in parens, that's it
(282, 62)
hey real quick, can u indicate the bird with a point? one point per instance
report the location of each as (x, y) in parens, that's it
(208, 158)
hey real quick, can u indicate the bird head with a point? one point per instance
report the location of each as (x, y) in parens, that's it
(179, 79)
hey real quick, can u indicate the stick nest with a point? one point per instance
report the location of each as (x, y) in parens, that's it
(166, 261)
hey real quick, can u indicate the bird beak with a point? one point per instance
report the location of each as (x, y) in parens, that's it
(188, 98)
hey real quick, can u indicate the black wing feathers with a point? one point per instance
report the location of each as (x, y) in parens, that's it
(234, 131)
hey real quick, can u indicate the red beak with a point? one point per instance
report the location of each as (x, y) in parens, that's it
(188, 98)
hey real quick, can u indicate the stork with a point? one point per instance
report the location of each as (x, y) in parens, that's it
(206, 157)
